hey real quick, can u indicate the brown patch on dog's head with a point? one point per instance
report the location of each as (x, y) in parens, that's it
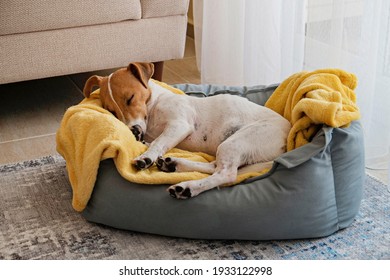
(142, 71)
(125, 92)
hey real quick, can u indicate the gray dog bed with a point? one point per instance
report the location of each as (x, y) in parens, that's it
(312, 191)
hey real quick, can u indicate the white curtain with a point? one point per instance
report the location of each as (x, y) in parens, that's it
(355, 36)
(248, 42)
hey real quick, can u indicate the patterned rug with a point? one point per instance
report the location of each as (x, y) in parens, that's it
(38, 222)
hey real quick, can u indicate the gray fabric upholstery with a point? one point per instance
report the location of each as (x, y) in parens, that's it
(312, 191)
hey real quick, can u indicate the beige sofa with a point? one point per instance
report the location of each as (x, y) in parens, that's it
(40, 38)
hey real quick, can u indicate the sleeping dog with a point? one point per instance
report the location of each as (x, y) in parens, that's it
(237, 131)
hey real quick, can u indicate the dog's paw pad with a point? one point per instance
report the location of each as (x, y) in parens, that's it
(159, 162)
(187, 193)
(166, 164)
(180, 192)
(143, 163)
(148, 162)
(172, 193)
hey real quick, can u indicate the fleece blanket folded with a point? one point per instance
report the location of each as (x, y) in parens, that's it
(310, 99)
(89, 134)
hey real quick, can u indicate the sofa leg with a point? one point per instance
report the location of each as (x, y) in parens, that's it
(158, 70)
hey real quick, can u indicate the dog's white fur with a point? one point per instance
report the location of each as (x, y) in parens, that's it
(237, 131)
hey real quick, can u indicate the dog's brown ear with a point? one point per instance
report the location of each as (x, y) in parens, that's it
(142, 71)
(91, 82)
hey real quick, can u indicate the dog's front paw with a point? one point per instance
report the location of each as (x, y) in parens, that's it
(179, 192)
(166, 164)
(142, 163)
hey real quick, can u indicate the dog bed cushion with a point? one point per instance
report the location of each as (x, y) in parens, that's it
(311, 191)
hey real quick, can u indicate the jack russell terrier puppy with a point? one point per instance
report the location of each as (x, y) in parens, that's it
(237, 131)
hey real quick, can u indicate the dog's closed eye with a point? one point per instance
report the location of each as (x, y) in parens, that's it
(128, 102)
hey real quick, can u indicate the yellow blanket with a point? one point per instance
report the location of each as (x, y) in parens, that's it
(310, 99)
(88, 134)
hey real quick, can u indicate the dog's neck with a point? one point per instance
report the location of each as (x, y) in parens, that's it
(156, 92)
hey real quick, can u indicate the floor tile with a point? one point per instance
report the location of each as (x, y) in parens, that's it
(189, 48)
(186, 68)
(27, 149)
(171, 77)
(33, 108)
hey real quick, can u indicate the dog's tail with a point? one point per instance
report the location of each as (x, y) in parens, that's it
(256, 167)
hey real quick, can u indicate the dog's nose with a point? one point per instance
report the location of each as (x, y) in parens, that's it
(138, 133)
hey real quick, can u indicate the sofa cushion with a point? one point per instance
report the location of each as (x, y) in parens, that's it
(163, 8)
(20, 16)
(73, 50)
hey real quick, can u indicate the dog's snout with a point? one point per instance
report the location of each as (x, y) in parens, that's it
(138, 133)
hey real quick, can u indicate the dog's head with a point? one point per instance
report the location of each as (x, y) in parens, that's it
(125, 94)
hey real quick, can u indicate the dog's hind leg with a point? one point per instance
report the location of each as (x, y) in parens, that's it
(189, 189)
(172, 164)
(256, 167)
(259, 142)
(228, 160)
